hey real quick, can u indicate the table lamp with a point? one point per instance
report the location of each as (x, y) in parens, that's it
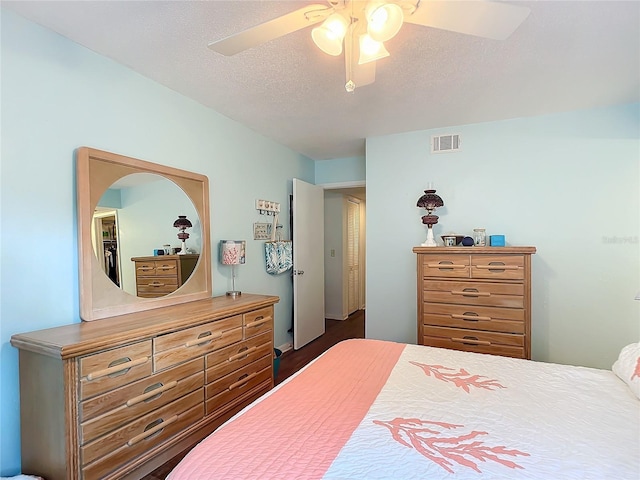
(430, 201)
(232, 252)
(182, 223)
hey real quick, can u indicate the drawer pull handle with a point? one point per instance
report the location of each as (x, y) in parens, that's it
(151, 429)
(166, 267)
(155, 284)
(498, 266)
(153, 391)
(119, 367)
(257, 323)
(470, 341)
(145, 269)
(203, 338)
(445, 266)
(470, 316)
(243, 380)
(242, 355)
(470, 293)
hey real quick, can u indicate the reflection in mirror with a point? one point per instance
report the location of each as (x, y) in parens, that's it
(132, 223)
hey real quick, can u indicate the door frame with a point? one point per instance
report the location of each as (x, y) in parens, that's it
(363, 266)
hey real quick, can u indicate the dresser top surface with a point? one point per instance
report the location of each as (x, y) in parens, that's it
(473, 250)
(83, 338)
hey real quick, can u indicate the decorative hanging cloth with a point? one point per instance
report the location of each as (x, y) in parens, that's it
(278, 252)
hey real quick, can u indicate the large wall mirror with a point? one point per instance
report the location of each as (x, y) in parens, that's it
(133, 253)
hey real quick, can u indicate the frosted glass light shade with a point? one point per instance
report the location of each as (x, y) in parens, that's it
(328, 36)
(371, 50)
(383, 20)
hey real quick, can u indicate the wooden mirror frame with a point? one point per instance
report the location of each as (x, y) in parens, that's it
(96, 171)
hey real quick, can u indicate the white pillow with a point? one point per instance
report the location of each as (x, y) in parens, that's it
(627, 367)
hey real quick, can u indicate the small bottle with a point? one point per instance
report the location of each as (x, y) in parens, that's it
(479, 237)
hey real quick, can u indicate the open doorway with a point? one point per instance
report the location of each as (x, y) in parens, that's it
(344, 227)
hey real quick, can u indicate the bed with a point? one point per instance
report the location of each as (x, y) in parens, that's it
(370, 409)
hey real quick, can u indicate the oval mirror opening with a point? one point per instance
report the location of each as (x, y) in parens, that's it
(134, 238)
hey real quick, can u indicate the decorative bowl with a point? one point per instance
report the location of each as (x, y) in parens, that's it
(458, 237)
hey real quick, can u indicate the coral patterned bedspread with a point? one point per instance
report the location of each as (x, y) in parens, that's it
(369, 409)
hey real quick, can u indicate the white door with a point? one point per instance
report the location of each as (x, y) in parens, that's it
(308, 262)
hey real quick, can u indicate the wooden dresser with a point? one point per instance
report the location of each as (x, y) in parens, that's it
(116, 398)
(476, 299)
(161, 275)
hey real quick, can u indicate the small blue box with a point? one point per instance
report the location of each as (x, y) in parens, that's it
(496, 240)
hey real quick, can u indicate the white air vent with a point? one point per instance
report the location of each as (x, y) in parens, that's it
(445, 143)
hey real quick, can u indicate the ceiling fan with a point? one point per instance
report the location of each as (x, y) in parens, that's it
(360, 28)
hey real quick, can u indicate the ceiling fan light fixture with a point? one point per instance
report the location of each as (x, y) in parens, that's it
(328, 36)
(384, 20)
(371, 50)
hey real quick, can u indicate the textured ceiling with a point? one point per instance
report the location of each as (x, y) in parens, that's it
(565, 56)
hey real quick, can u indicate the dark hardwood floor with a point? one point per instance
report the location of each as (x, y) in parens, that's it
(291, 362)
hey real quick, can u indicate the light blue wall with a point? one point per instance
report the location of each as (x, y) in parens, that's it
(341, 170)
(567, 184)
(57, 96)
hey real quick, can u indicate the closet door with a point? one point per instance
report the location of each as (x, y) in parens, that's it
(353, 255)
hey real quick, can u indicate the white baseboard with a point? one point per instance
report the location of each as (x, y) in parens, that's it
(285, 347)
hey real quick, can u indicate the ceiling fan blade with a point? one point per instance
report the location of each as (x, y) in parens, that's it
(474, 17)
(278, 27)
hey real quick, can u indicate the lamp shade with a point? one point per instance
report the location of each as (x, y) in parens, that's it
(328, 36)
(232, 252)
(371, 50)
(383, 20)
(430, 201)
(182, 222)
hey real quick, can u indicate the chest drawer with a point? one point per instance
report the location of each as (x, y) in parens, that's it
(475, 341)
(258, 321)
(228, 359)
(104, 455)
(475, 293)
(448, 266)
(500, 267)
(241, 379)
(507, 320)
(240, 387)
(154, 268)
(107, 370)
(178, 347)
(106, 412)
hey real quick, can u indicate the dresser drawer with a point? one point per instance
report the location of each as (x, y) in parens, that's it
(107, 370)
(242, 379)
(229, 397)
(475, 341)
(113, 409)
(228, 359)
(141, 430)
(258, 321)
(129, 445)
(496, 319)
(443, 265)
(501, 267)
(156, 286)
(475, 293)
(166, 268)
(178, 347)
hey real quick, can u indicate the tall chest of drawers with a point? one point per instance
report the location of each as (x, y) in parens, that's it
(475, 299)
(116, 398)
